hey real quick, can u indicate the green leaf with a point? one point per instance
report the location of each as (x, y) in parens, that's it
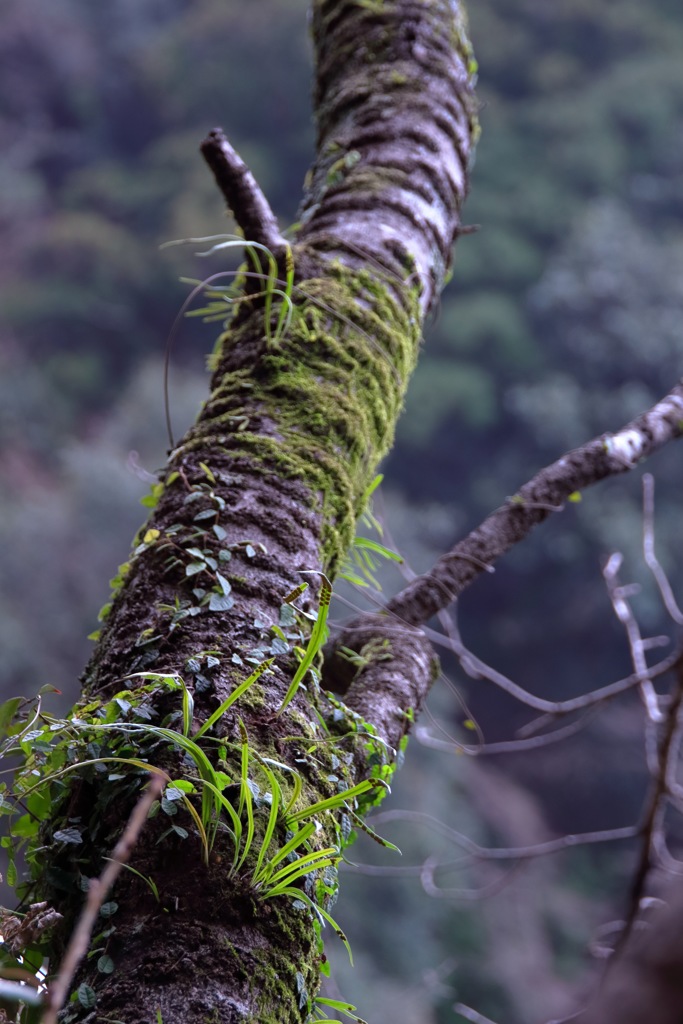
(25, 827)
(104, 612)
(235, 695)
(287, 616)
(220, 602)
(348, 1009)
(174, 792)
(275, 797)
(188, 709)
(316, 641)
(181, 786)
(299, 894)
(105, 965)
(301, 867)
(67, 835)
(11, 874)
(363, 825)
(297, 840)
(379, 549)
(246, 795)
(196, 552)
(338, 800)
(109, 909)
(151, 500)
(7, 712)
(224, 584)
(221, 781)
(86, 996)
(194, 567)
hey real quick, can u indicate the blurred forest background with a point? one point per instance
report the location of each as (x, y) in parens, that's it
(563, 320)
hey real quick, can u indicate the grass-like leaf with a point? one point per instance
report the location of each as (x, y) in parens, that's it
(315, 641)
(246, 800)
(299, 868)
(235, 695)
(275, 798)
(338, 800)
(298, 894)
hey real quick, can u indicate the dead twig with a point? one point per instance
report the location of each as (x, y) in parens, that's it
(97, 892)
(651, 559)
(242, 193)
(600, 458)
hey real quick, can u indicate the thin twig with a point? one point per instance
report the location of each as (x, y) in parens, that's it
(652, 826)
(651, 559)
(97, 892)
(602, 457)
(429, 886)
(665, 859)
(469, 1014)
(478, 669)
(478, 852)
(622, 609)
(242, 193)
(521, 746)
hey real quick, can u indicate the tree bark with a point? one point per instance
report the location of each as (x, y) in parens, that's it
(262, 493)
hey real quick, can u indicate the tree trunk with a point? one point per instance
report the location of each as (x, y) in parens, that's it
(261, 495)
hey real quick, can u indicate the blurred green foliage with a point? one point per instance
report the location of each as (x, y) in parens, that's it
(563, 320)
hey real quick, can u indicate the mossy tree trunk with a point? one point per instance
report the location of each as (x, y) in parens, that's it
(262, 494)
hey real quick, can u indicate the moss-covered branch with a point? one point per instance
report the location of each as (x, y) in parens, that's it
(223, 920)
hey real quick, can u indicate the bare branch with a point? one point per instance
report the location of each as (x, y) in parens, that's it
(651, 559)
(429, 886)
(429, 594)
(602, 457)
(619, 597)
(242, 193)
(97, 892)
(655, 806)
(506, 852)
(469, 1014)
(478, 669)
(520, 746)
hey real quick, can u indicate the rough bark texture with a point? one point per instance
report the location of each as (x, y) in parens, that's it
(266, 486)
(396, 123)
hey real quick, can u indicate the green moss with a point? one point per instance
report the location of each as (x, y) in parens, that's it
(325, 399)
